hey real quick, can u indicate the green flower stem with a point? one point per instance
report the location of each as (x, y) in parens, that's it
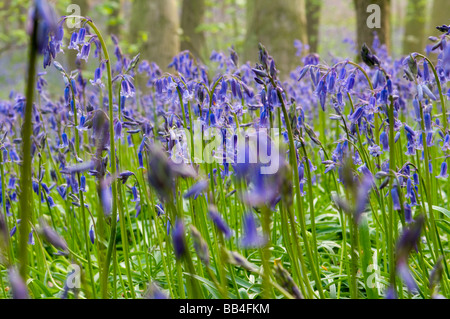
(293, 161)
(123, 226)
(265, 254)
(289, 244)
(392, 168)
(445, 123)
(25, 175)
(81, 195)
(311, 208)
(112, 239)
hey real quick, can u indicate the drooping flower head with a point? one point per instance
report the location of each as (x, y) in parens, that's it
(251, 238)
(406, 243)
(178, 239)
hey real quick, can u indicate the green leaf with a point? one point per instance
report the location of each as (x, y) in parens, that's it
(442, 210)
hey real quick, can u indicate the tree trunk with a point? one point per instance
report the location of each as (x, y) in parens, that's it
(439, 16)
(313, 23)
(276, 24)
(192, 15)
(158, 21)
(414, 37)
(364, 33)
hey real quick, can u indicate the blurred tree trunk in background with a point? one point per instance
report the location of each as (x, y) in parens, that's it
(154, 26)
(414, 37)
(192, 15)
(364, 34)
(71, 55)
(440, 14)
(313, 23)
(276, 24)
(115, 20)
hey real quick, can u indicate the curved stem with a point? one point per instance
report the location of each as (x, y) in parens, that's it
(112, 238)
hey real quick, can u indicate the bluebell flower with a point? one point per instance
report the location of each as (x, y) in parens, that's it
(363, 196)
(429, 139)
(127, 88)
(18, 287)
(303, 73)
(81, 35)
(409, 188)
(196, 189)
(31, 238)
(372, 108)
(427, 92)
(97, 78)
(384, 140)
(446, 145)
(408, 213)
(159, 209)
(13, 230)
(155, 292)
(251, 238)
(219, 222)
(343, 73)
(83, 183)
(426, 72)
(368, 57)
(62, 191)
(391, 293)
(443, 173)
(124, 176)
(140, 160)
(384, 96)
(350, 82)
(92, 234)
(106, 198)
(375, 150)
(427, 121)
(178, 239)
(419, 92)
(64, 141)
(52, 237)
(406, 243)
(355, 116)
(84, 52)
(137, 207)
(81, 125)
(436, 275)
(135, 194)
(73, 41)
(410, 131)
(13, 155)
(44, 17)
(331, 80)
(395, 199)
(200, 246)
(51, 202)
(11, 183)
(118, 130)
